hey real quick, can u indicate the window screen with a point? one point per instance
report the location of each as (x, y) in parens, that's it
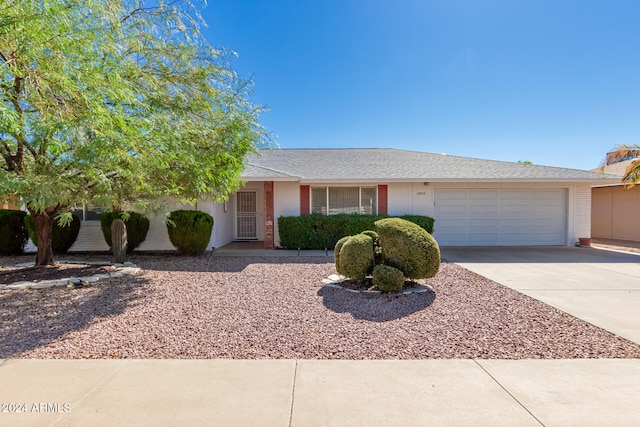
(319, 200)
(344, 200)
(368, 201)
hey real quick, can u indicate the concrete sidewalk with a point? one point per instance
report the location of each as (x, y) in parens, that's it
(599, 286)
(319, 393)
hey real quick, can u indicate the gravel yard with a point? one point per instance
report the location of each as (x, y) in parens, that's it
(277, 307)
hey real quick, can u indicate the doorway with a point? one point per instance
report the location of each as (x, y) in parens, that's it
(246, 215)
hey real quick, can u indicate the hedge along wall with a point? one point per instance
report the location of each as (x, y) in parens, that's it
(317, 231)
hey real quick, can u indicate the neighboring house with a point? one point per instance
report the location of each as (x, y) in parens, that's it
(474, 202)
(615, 210)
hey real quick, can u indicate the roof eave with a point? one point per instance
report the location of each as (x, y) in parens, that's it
(603, 181)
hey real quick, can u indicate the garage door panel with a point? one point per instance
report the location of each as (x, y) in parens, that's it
(454, 239)
(451, 195)
(501, 216)
(483, 223)
(483, 195)
(452, 224)
(490, 211)
(484, 239)
(513, 239)
(515, 195)
(540, 195)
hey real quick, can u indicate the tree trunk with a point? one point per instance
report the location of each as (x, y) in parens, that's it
(44, 224)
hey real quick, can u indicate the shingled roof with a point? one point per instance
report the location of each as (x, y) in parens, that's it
(334, 165)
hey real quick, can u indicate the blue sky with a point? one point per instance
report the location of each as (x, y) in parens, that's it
(553, 82)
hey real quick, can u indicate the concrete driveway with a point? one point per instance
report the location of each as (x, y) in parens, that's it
(599, 286)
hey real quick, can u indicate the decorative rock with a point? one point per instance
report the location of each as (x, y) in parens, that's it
(20, 285)
(26, 264)
(42, 285)
(420, 288)
(129, 270)
(124, 269)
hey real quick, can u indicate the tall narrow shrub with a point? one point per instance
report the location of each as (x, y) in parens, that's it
(13, 233)
(190, 231)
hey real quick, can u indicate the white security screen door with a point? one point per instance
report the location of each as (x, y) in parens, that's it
(247, 215)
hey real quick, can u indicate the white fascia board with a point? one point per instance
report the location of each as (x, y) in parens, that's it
(269, 178)
(603, 181)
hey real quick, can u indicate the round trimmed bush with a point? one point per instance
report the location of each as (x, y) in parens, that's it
(13, 233)
(62, 238)
(356, 257)
(137, 227)
(190, 231)
(409, 248)
(387, 279)
(336, 253)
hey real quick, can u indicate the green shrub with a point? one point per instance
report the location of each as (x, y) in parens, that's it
(190, 231)
(137, 227)
(425, 222)
(387, 279)
(62, 238)
(320, 231)
(13, 233)
(336, 253)
(409, 248)
(356, 257)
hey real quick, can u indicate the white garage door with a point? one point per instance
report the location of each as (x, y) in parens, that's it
(494, 217)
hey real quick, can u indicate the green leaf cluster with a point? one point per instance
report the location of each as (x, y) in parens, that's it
(190, 231)
(62, 236)
(13, 233)
(118, 103)
(321, 231)
(136, 223)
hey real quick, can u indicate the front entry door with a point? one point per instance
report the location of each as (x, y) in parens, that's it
(247, 215)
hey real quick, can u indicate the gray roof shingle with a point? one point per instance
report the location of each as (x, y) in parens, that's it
(388, 165)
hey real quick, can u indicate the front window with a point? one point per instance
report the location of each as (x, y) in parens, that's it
(89, 213)
(343, 200)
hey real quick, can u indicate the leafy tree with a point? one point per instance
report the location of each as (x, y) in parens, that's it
(114, 102)
(627, 152)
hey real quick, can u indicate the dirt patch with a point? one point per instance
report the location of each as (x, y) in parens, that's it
(57, 272)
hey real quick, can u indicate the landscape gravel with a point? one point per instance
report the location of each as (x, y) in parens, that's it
(277, 307)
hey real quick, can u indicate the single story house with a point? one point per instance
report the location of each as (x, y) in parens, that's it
(474, 202)
(615, 210)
